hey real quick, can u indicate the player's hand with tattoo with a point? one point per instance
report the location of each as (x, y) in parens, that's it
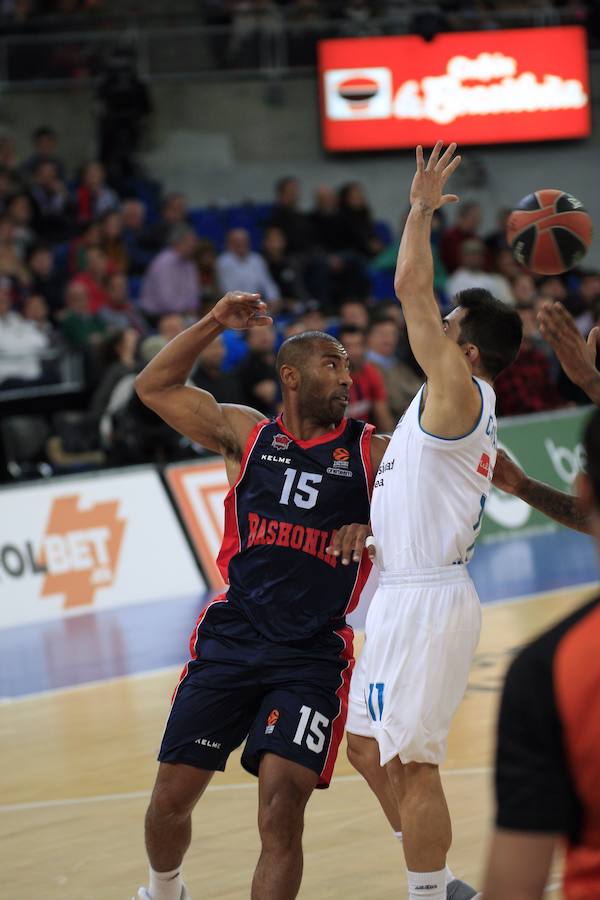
(577, 357)
(240, 310)
(349, 543)
(427, 189)
(508, 476)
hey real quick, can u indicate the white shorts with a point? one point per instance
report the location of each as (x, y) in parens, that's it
(422, 631)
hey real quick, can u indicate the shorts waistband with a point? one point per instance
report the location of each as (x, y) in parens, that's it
(434, 575)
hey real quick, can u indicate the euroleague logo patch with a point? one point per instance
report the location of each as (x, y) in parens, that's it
(272, 720)
(341, 463)
(281, 442)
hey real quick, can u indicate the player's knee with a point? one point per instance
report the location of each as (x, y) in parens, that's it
(363, 755)
(169, 802)
(281, 817)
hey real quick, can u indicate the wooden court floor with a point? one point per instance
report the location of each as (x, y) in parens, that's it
(77, 767)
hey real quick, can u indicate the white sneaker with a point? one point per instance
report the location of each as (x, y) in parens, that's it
(144, 895)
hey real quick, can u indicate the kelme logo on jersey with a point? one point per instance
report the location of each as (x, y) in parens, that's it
(272, 720)
(341, 463)
(281, 442)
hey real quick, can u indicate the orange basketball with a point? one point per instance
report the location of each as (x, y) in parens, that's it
(549, 232)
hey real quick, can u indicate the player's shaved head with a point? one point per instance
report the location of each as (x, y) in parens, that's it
(298, 349)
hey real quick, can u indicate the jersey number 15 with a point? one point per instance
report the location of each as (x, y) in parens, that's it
(305, 494)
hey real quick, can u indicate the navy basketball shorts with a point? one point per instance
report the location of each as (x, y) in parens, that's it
(288, 699)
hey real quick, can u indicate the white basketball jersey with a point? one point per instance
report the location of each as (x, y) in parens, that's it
(430, 492)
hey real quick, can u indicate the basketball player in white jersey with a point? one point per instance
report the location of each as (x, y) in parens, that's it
(428, 499)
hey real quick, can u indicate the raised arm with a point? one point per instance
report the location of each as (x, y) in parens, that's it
(577, 357)
(558, 505)
(452, 400)
(224, 428)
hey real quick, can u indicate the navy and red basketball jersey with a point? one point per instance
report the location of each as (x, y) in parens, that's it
(288, 502)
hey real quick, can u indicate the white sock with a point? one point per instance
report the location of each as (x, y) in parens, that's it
(450, 876)
(427, 885)
(165, 885)
(397, 835)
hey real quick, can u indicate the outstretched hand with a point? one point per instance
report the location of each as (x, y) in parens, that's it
(577, 357)
(240, 310)
(427, 189)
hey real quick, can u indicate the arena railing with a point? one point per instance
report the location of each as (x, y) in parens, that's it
(162, 47)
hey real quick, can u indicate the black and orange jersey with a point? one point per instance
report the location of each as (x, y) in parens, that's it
(290, 499)
(548, 753)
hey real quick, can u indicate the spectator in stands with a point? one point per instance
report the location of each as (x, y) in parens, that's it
(118, 352)
(344, 269)
(170, 326)
(368, 396)
(210, 286)
(313, 316)
(524, 289)
(471, 274)
(357, 222)
(327, 229)
(52, 206)
(80, 326)
(258, 374)
(95, 277)
(225, 387)
(20, 213)
(401, 382)
(8, 157)
(173, 217)
(171, 283)
(94, 196)
(286, 216)
(11, 265)
(467, 225)
(7, 189)
(120, 313)
(111, 241)
(44, 144)
(527, 385)
(134, 236)
(496, 241)
(239, 269)
(21, 344)
(37, 312)
(45, 278)
(88, 237)
(354, 312)
(505, 264)
(282, 268)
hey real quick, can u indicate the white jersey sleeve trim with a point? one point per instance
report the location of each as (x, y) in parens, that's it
(461, 437)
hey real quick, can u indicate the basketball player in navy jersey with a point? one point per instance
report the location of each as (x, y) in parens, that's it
(271, 657)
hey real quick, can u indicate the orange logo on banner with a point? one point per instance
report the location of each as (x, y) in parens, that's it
(81, 549)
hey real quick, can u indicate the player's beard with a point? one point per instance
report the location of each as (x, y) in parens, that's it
(323, 411)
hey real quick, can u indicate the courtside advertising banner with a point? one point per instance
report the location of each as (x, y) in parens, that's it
(76, 545)
(548, 447)
(481, 87)
(199, 490)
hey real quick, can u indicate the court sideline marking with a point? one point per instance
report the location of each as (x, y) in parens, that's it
(237, 786)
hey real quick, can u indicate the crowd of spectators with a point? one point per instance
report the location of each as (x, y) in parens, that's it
(91, 272)
(253, 33)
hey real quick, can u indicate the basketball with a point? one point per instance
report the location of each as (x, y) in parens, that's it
(549, 231)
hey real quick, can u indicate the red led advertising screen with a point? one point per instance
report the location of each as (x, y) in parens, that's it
(475, 87)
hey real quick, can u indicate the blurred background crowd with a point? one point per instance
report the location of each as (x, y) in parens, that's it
(97, 273)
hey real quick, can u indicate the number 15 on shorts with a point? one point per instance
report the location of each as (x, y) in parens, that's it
(375, 700)
(315, 739)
